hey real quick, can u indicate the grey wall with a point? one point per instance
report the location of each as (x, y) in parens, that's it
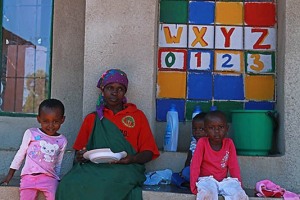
(67, 61)
(121, 35)
(67, 66)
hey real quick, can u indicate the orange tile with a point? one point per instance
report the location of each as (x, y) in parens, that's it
(230, 13)
(259, 87)
(171, 84)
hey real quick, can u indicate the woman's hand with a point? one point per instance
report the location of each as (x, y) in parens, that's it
(140, 158)
(127, 160)
(79, 156)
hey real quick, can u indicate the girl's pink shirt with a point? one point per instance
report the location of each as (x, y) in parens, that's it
(42, 153)
(208, 162)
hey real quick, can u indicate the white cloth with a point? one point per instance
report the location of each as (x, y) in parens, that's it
(193, 145)
(230, 188)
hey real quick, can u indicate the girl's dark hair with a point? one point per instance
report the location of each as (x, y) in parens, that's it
(215, 113)
(52, 103)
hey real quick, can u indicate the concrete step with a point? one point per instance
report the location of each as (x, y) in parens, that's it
(12, 193)
(171, 160)
(154, 193)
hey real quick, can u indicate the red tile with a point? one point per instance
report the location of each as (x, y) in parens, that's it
(260, 14)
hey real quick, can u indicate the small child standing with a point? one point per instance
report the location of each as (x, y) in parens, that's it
(183, 178)
(213, 158)
(44, 149)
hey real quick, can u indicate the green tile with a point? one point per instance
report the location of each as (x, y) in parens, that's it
(190, 105)
(227, 106)
(175, 12)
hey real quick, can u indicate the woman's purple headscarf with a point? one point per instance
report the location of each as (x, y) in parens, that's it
(110, 76)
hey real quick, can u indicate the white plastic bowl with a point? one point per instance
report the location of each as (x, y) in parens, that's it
(104, 155)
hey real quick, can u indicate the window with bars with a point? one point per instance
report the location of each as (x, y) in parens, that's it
(25, 69)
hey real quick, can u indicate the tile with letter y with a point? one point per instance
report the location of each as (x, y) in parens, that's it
(229, 37)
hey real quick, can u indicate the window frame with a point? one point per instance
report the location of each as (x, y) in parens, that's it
(49, 82)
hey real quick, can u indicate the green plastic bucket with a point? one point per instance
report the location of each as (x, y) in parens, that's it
(253, 131)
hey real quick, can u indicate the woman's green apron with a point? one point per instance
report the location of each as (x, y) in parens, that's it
(91, 181)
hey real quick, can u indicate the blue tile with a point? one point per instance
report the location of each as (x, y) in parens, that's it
(163, 105)
(199, 86)
(201, 12)
(254, 105)
(228, 87)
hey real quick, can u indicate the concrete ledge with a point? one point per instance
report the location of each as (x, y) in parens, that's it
(168, 160)
(156, 195)
(156, 192)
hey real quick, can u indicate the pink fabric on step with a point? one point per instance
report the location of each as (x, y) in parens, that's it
(267, 188)
(290, 196)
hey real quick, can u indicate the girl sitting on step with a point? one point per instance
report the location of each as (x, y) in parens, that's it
(213, 158)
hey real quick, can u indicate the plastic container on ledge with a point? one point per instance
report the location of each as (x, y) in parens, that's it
(253, 131)
(172, 128)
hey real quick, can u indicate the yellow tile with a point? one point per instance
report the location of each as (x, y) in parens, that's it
(259, 87)
(171, 84)
(229, 13)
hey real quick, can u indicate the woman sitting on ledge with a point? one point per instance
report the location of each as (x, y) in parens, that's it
(119, 126)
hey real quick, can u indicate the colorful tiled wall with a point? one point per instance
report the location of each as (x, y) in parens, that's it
(219, 52)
